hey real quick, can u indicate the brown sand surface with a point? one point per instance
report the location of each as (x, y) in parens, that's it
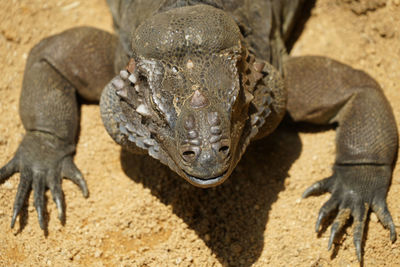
(139, 213)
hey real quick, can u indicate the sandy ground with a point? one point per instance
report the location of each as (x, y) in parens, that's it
(139, 213)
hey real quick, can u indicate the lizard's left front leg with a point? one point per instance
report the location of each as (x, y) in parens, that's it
(324, 91)
(76, 61)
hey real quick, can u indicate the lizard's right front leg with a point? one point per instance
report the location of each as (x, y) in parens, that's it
(59, 67)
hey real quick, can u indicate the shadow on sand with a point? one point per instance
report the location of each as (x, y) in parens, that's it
(232, 217)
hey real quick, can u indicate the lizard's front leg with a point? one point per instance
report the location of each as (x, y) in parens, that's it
(324, 91)
(76, 61)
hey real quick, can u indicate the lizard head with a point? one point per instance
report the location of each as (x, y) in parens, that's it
(188, 64)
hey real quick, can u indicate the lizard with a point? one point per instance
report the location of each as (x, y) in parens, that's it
(192, 83)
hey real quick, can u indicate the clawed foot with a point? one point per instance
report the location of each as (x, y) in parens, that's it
(355, 189)
(42, 160)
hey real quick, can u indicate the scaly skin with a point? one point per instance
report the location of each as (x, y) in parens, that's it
(196, 82)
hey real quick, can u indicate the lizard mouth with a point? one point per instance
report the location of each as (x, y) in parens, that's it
(206, 182)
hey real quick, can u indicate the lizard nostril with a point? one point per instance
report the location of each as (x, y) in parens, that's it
(189, 155)
(224, 151)
(222, 148)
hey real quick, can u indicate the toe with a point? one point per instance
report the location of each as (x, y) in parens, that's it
(39, 186)
(382, 212)
(318, 188)
(359, 214)
(54, 183)
(8, 170)
(71, 172)
(325, 210)
(23, 190)
(337, 226)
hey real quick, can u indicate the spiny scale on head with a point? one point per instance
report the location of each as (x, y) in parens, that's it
(192, 134)
(198, 100)
(213, 119)
(189, 123)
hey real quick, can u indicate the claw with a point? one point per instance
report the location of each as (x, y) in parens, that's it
(340, 220)
(325, 210)
(358, 234)
(321, 216)
(360, 217)
(334, 230)
(14, 216)
(71, 172)
(60, 207)
(384, 216)
(54, 183)
(39, 211)
(38, 197)
(317, 188)
(24, 187)
(358, 249)
(393, 235)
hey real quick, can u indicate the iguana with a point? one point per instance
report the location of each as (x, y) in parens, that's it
(191, 83)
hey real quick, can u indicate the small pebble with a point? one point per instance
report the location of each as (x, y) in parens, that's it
(8, 185)
(374, 218)
(98, 253)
